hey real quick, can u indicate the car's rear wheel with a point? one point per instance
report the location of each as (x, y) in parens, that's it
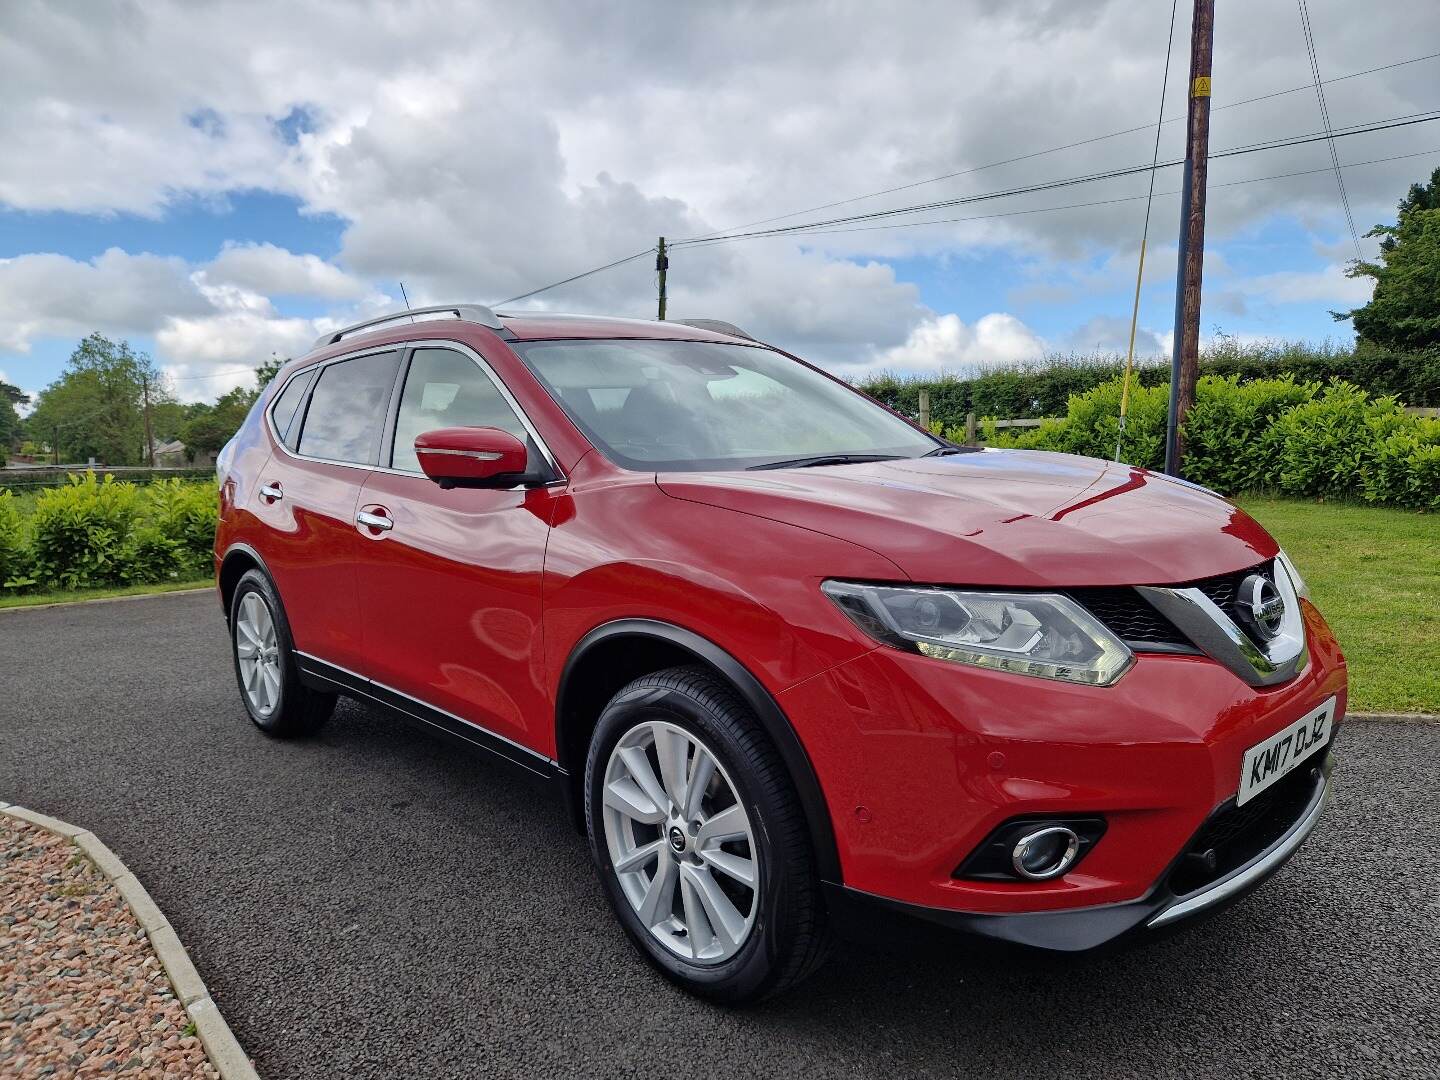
(265, 666)
(700, 840)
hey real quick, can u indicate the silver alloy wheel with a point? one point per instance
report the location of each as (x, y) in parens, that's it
(674, 824)
(257, 647)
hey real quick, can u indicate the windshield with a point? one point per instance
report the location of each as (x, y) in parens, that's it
(690, 405)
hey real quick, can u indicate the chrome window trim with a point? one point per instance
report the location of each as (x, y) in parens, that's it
(1215, 633)
(421, 343)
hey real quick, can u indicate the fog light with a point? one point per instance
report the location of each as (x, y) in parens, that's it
(1045, 853)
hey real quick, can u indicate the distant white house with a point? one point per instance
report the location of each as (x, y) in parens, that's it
(175, 455)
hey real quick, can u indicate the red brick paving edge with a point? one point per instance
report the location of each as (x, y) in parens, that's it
(214, 1033)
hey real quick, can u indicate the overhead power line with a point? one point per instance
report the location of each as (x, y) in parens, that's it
(1145, 231)
(573, 277)
(1065, 146)
(1110, 174)
(1100, 202)
(1309, 33)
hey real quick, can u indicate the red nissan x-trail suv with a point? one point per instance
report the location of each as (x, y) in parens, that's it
(792, 660)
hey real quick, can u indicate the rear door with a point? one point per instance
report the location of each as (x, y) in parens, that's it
(309, 493)
(450, 587)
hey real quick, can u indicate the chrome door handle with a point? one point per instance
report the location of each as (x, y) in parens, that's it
(374, 521)
(271, 491)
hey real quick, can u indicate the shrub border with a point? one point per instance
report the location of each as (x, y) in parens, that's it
(215, 1036)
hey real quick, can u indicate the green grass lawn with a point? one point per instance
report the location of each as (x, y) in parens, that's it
(67, 596)
(1375, 574)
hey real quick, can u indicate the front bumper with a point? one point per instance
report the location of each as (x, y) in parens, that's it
(1084, 928)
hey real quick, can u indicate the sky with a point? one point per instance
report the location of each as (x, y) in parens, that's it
(218, 183)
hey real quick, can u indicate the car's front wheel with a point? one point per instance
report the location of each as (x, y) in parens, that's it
(700, 841)
(265, 667)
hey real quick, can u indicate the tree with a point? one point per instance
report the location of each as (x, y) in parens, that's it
(207, 428)
(1404, 312)
(95, 409)
(267, 371)
(10, 423)
(211, 426)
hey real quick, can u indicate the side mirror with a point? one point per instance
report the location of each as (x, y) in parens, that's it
(483, 457)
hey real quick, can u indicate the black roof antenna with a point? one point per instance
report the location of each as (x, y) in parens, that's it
(406, 299)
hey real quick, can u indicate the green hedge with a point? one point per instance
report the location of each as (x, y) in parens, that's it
(1044, 389)
(1272, 434)
(99, 532)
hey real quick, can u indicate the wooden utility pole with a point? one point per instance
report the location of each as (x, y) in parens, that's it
(1185, 360)
(662, 264)
(149, 434)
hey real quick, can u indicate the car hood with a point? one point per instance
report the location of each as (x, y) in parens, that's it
(1017, 518)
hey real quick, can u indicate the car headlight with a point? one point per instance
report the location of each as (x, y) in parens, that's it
(1301, 589)
(1042, 634)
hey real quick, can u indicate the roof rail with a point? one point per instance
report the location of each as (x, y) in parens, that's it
(477, 313)
(718, 326)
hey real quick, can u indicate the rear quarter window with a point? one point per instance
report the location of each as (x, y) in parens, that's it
(284, 412)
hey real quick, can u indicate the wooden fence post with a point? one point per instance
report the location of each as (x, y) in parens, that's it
(970, 439)
(925, 409)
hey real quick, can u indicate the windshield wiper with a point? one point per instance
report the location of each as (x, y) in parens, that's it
(827, 459)
(946, 451)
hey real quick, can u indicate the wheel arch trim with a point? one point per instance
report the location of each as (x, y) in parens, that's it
(239, 547)
(772, 718)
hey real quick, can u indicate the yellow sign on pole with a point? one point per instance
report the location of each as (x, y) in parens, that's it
(1201, 87)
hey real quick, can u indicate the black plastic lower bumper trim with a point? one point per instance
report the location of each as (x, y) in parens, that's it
(864, 916)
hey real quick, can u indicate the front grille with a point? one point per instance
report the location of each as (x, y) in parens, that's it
(1135, 621)
(1224, 593)
(1131, 618)
(1236, 834)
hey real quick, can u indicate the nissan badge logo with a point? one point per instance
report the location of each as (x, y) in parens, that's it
(1262, 601)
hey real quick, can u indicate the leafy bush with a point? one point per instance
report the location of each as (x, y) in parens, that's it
(1263, 434)
(185, 513)
(1091, 426)
(150, 556)
(1044, 388)
(14, 551)
(94, 532)
(1231, 441)
(79, 531)
(1328, 443)
(1405, 470)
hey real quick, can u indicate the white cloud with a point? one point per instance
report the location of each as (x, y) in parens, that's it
(274, 271)
(206, 355)
(1327, 286)
(209, 333)
(945, 343)
(474, 155)
(1111, 334)
(56, 296)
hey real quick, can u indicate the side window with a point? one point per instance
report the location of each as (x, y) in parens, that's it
(443, 389)
(283, 412)
(347, 409)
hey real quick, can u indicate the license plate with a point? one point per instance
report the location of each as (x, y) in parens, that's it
(1267, 762)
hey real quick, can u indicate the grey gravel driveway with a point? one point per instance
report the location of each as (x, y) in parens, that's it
(372, 904)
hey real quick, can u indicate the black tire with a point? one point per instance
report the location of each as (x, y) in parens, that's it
(301, 709)
(790, 937)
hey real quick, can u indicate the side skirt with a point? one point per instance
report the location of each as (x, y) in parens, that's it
(322, 675)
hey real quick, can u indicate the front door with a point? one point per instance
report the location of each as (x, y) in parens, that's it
(450, 580)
